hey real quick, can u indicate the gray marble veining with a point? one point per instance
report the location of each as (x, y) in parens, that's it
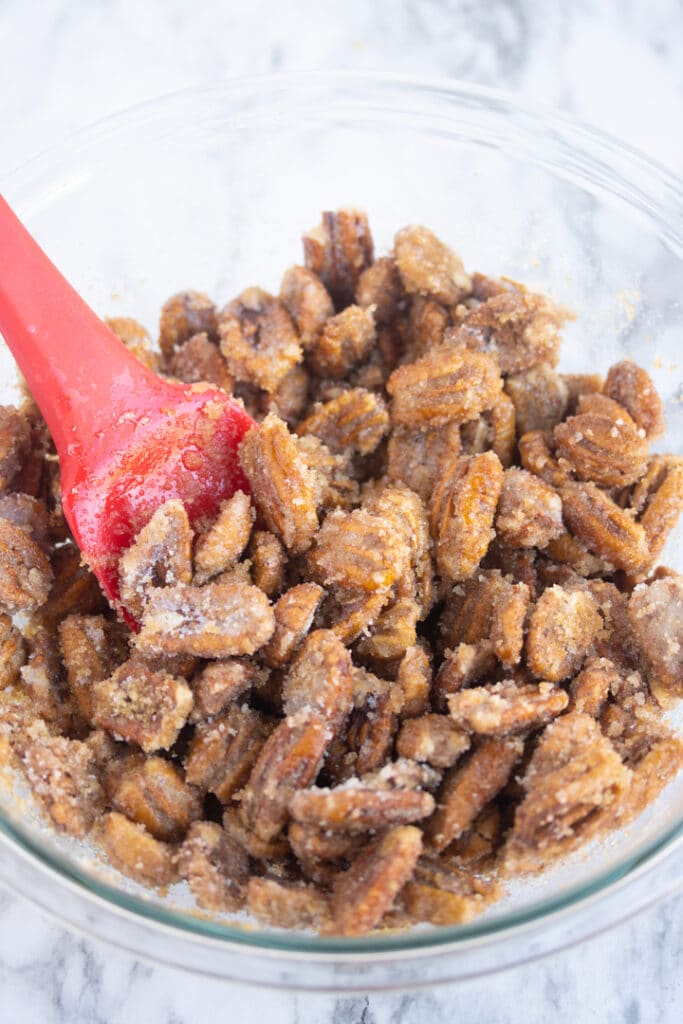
(615, 63)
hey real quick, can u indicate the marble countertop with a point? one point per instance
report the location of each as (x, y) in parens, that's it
(615, 63)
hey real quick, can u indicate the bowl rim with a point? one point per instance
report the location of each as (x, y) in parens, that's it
(665, 209)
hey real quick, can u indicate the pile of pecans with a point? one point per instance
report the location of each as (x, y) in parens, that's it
(429, 651)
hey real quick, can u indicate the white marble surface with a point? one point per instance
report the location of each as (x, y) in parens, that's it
(616, 63)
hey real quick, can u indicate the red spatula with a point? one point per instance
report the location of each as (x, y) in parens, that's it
(127, 440)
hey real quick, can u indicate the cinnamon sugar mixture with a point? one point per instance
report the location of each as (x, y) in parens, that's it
(429, 651)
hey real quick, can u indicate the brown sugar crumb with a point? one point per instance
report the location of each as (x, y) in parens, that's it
(445, 384)
(655, 611)
(223, 751)
(540, 397)
(562, 628)
(258, 339)
(215, 866)
(215, 621)
(136, 339)
(294, 613)
(199, 359)
(268, 561)
(156, 795)
(141, 706)
(160, 556)
(289, 760)
(364, 893)
(529, 511)
(15, 441)
(497, 709)
(12, 652)
(461, 516)
(132, 850)
(435, 739)
(428, 267)
(447, 894)
(574, 777)
(358, 807)
(345, 341)
(225, 540)
(308, 303)
(62, 776)
(182, 316)
(25, 571)
(632, 387)
(356, 419)
(287, 905)
(607, 530)
(467, 789)
(338, 251)
(282, 485)
(604, 448)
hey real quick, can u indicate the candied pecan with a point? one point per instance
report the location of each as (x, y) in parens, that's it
(445, 384)
(467, 789)
(487, 607)
(380, 286)
(364, 893)
(574, 777)
(346, 340)
(269, 851)
(294, 613)
(220, 683)
(392, 632)
(435, 739)
(537, 457)
(503, 428)
(215, 866)
(421, 458)
(320, 680)
(156, 795)
(12, 652)
(426, 326)
(75, 588)
(132, 850)
(589, 690)
(655, 611)
(428, 267)
(141, 706)
(182, 316)
(562, 629)
(529, 511)
(214, 621)
(287, 905)
(226, 538)
(519, 329)
(15, 441)
(335, 487)
(357, 806)
(268, 561)
(600, 448)
(497, 709)
(89, 655)
(540, 397)
(661, 761)
(358, 551)
(26, 574)
(405, 512)
(479, 843)
(30, 515)
(372, 728)
(633, 388)
(351, 614)
(311, 844)
(447, 895)
(414, 678)
(461, 517)
(662, 497)
(308, 303)
(42, 677)
(283, 487)
(136, 339)
(62, 777)
(199, 359)
(569, 551)
(258, 339)
(160, 555)
(355, 419)
(223, 751)
(607, 530)
(338, 251)
(463, 666)
(289, 760)
(579, 384)
(290, 398)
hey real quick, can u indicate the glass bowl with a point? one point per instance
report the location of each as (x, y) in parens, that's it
(212, 190)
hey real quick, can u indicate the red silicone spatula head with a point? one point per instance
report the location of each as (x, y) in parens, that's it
(127, 440)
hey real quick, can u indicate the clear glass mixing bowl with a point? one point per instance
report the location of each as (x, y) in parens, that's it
(212, 190)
